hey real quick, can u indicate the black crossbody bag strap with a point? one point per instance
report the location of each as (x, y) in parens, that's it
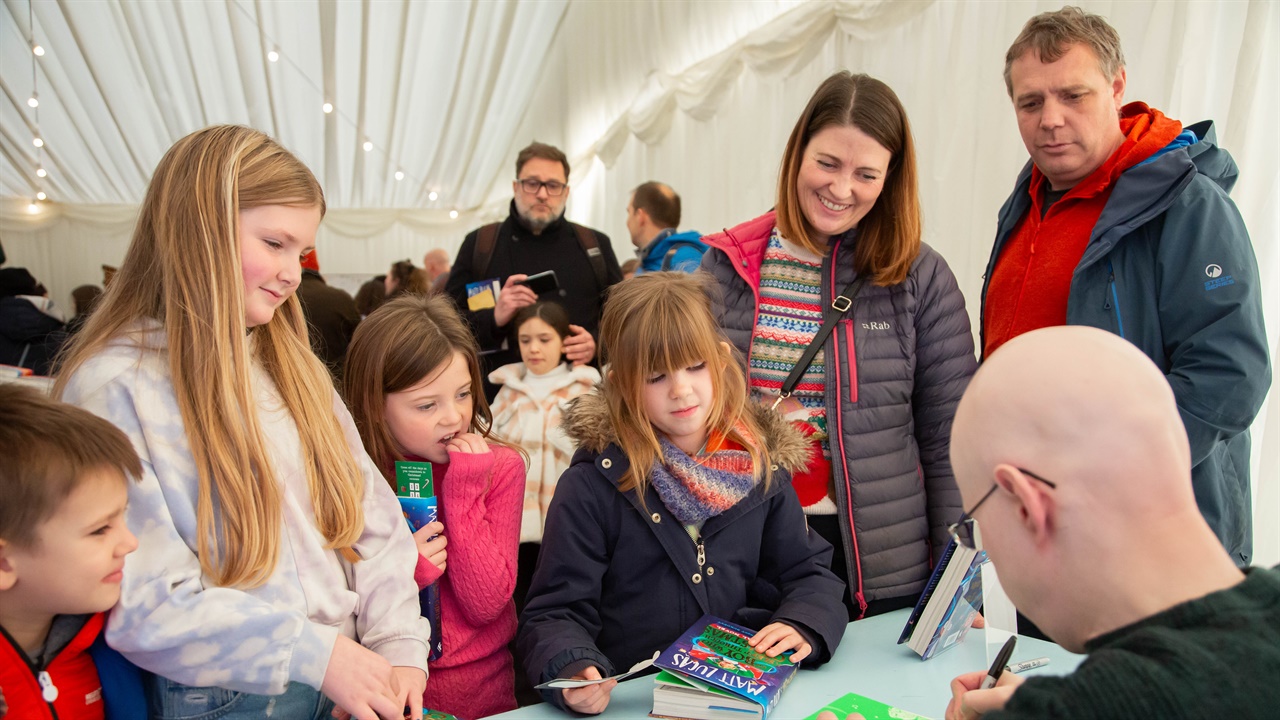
(839, 306)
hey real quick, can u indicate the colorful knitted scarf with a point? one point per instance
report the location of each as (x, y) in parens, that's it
(697, 489)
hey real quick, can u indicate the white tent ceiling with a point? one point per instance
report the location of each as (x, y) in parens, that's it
(437, 88)
(699, 94)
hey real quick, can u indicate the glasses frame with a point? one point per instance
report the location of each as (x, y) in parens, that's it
(540, 184)
(967, 516)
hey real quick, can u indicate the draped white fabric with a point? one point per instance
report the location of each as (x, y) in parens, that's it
(698, 94)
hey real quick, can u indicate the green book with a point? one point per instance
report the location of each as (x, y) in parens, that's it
(866, 707)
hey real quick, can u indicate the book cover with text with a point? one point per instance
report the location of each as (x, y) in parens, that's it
(416, 493)
(715, 658)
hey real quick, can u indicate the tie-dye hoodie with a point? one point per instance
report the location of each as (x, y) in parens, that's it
(173, 620)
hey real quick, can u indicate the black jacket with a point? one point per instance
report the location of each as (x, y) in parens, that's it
(517, 250)
(29, 337)
(332, 318)
(618, 581)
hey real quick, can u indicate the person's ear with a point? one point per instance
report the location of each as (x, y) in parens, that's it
(8, 571)
(726, 354)
(1118, 85)
(1036, 510)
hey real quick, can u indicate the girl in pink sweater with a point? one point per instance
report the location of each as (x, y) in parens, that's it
(413, 384)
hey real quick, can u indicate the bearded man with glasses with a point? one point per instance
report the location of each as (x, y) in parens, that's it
(533, 239)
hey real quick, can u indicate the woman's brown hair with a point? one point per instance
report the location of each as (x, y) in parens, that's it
(888, 239)
(403, 342)
(183, 270)
(658, 323)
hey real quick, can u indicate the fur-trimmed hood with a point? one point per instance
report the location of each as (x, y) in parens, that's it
(587, 423)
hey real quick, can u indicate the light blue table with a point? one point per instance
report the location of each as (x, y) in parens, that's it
(868, 662)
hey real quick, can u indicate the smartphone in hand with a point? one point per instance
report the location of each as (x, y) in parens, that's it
(543, 282)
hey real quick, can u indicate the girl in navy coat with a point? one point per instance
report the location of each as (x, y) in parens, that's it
(678, 503)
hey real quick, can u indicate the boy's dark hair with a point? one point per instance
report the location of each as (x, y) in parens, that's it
(548, 312)
(46, 449)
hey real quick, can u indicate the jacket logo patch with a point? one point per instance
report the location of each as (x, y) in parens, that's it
(1213, 271)
(873, 325)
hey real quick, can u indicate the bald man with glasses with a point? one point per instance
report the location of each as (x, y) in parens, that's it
(1073, 462)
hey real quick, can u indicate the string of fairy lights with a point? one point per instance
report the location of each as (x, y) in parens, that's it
(274, 55)
(33, 102)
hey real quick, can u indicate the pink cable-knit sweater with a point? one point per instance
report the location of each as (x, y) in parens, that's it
(480, 503)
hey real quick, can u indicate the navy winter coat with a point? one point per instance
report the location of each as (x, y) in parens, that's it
(617, 581)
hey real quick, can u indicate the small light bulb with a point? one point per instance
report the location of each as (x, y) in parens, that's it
(33, 101)
(41, 196)
(453, 214)
(399, 175)
(39, 51)
(37, 142)
(368, 146)
(327, 107)
(433, 196)
(273, 56)
(33, 208)
(40, 172)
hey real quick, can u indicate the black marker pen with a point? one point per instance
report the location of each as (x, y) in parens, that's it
(997, 667)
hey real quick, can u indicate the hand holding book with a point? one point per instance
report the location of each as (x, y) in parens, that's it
(431, 544)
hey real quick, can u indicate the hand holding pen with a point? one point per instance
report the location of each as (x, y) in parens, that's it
(977, 693)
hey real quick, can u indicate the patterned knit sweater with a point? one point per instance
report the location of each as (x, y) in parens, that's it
(790, 315)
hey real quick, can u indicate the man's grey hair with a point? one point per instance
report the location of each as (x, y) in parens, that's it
(1050, 35)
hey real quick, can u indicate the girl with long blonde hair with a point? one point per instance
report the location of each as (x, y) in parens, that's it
(678, 504)
(273, 556)
(414, 386)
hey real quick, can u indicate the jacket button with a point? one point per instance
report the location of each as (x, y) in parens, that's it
(697, 578)
(606, 463)
(656, 517)
(744, 263)
(711, 571)
(773, 468)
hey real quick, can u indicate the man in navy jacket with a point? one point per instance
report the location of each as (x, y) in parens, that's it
(1122, 221)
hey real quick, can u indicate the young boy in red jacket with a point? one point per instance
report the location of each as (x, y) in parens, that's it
(63, 540)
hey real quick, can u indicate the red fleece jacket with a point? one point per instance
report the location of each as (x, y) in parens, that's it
(1032, 278)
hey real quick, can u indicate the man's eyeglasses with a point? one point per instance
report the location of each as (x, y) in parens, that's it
(962, 529)
(555, 188)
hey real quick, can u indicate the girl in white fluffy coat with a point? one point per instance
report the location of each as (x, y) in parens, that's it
(526, 411)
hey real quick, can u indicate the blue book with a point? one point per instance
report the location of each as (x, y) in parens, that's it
(713, 672)
(950, 601)
(416, 492)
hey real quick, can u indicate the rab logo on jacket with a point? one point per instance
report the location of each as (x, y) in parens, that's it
(1217, 279)
(873, 325)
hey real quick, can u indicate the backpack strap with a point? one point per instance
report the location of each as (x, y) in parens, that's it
(486, 240)
(675, 247)
(587, 239)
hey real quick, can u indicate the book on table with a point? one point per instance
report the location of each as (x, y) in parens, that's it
(950, 601)
(713, 673)
(845, 705)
